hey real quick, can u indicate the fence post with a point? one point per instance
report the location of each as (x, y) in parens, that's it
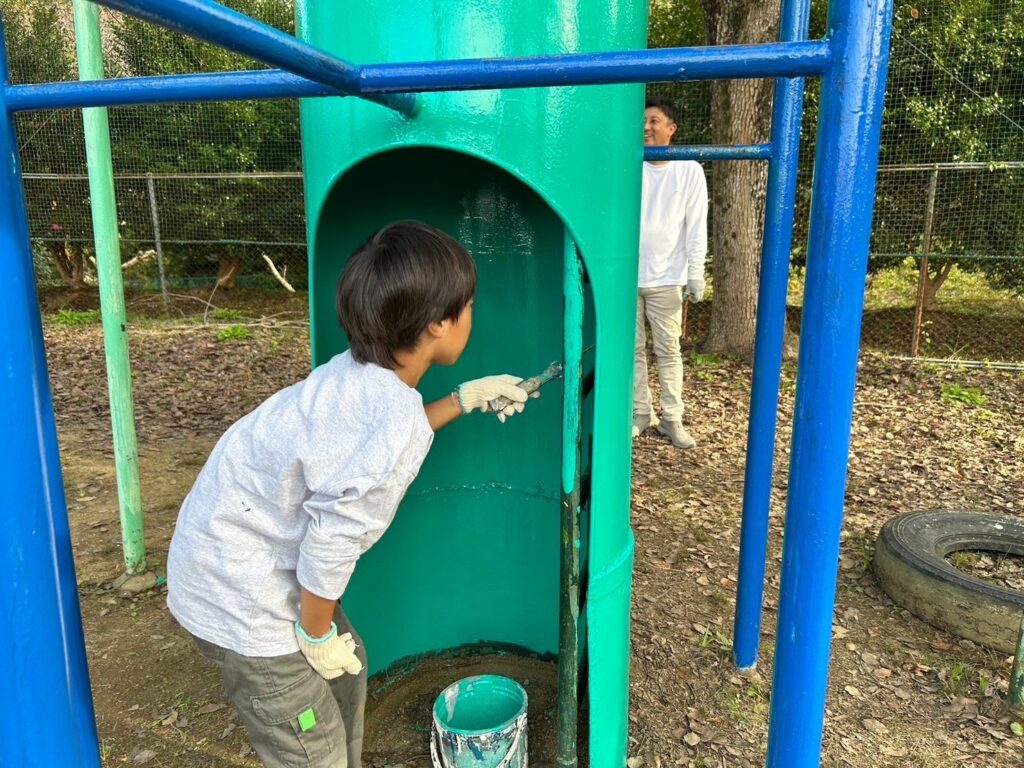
(151, 191)
(926, 247)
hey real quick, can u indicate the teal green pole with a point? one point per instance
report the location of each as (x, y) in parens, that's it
(569, 593)
(1015, 697)
(108, 269)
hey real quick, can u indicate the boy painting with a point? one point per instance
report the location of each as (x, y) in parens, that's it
(294, 492)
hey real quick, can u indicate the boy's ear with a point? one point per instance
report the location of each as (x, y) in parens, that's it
(437, 330)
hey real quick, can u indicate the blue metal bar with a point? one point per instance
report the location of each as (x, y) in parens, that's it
(668, 64)
(787, 110)
(237, 32)
(709, 152)
(165, 89)
(46, 713)
(845, 170)
(649, 66)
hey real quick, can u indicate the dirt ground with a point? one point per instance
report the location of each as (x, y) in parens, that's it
(901, 693)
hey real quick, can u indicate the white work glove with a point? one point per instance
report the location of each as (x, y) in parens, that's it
(330, 656)
(480, 392)
(694, 290)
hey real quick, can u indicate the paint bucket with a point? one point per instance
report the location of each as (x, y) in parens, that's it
(480, 722)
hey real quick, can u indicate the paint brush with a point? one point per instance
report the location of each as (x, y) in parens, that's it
(532, 384)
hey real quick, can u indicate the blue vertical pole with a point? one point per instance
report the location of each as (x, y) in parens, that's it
(846, 164)
(46, 714)
(787, 110)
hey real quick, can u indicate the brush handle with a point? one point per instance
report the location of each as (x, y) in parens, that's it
(531, 384)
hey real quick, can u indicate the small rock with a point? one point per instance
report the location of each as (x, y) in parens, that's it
(691, 739)
(140, 582)
(874, 726)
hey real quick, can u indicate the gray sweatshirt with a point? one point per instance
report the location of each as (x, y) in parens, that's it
(291, 496)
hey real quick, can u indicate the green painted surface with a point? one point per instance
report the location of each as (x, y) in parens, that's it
(108, 270)
(480, 704)
(473, 554)
(573, 313)
(1015, 696)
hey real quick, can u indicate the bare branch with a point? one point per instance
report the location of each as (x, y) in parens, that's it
(277, 275)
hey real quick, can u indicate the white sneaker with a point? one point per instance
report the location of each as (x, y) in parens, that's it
(676, 432)
(642, 422)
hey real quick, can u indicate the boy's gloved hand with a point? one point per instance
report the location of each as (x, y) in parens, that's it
(694, 289)
(331, 655)
(479, 393)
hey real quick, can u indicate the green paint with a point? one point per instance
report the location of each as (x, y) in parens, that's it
(474, 552)
(307, 719)
(569, 587)
(108, 268)
(480, 722)
(480, 704)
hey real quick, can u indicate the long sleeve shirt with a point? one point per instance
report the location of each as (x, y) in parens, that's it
(291, 496)
(673, 224)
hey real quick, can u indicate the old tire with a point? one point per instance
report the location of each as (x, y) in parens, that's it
(911, 567)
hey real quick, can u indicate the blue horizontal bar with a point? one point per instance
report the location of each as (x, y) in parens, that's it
(769, 60)
(727, 62)
(237, 32)
(164, 89)
(709, 152)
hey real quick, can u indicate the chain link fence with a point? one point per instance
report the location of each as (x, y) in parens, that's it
(946, 269)
(213, 192)
(206, 193)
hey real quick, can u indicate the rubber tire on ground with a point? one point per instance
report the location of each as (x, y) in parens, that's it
(911, 567)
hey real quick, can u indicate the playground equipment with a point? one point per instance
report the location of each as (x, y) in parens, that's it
(39, 602)
(508, 175)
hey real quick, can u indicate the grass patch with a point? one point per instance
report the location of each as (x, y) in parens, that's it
(227, 315)
(233, 333)
(69, 318)
(896, 288)
(698, 360)
(954, 393)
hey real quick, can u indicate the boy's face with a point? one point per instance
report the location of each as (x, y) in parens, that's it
(658, 129)
(456, 336)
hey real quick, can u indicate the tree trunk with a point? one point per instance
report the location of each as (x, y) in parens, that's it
(933, 281)
(740, 114)
(227, 272)
(70, 263)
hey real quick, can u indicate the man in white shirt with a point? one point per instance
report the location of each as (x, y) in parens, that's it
(673, 249)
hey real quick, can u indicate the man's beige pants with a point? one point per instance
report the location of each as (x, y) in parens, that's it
(663, 309)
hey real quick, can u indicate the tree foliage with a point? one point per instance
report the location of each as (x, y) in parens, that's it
(234, 136)
(955, 95)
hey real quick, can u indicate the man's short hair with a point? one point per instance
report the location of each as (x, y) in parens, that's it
(665, 105)
(396, 284)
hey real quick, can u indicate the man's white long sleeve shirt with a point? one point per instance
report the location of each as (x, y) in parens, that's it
(673, 224)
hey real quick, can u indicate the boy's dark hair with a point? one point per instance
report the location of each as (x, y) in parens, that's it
(665, 105)
(396, 284)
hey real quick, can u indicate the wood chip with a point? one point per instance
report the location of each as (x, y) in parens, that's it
(874, 726)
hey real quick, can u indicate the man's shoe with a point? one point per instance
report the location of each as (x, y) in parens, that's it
(676, 432)
(642, 422)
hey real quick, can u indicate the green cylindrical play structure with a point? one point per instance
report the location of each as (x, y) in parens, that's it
(513, 534)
